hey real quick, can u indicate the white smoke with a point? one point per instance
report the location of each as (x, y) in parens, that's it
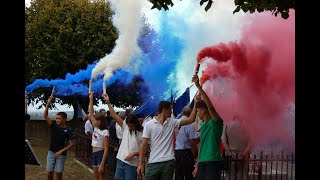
(127, 19)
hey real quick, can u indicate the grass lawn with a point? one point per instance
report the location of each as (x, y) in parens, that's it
(72, 170)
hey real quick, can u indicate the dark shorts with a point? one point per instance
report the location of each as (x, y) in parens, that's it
(209, 170)
(97, 158)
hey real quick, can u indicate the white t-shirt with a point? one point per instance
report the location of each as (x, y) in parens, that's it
(146, 120)
(98, 137)
(88, 127)
(119, 131)
(130, 143)
(161, 139)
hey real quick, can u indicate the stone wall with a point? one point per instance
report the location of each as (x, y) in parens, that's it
(38, 132)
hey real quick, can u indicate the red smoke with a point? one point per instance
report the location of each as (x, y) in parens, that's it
(257, 74)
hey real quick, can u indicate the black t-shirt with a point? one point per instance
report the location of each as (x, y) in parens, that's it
(60, 137)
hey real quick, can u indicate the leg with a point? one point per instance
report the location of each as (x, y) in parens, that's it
(178, 166)
(152, 172)
(101, 176)
(94, 158)
(50, 175)
(243, 168)
(59, 176)
(95, 173)
(106, 169)
(201, 171)
(130, 172)
(188, 166)
(231, 173)
(167, 170)
(50, 164)
(211, 171)
(119, 174)
(105, 173)
(60, 161)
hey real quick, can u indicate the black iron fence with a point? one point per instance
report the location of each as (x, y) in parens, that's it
(261, 166)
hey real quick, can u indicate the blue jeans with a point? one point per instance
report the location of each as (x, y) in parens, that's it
(97, 158)
(55, 164)
(125, 171)
(210, 170)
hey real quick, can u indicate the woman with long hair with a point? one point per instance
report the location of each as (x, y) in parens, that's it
(128, 153)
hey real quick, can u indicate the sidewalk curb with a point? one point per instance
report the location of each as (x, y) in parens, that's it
(83, 165)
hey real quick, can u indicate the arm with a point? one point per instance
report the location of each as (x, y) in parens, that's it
(194, 147)
(45, 115)
(226, 147)
(112, 112)
(194, 173)
(193, 139)
(72, 143)
(246, 150)
(224, 141)
(193, 114)
(143, 150)
(91, 111)
(212, 110)
(105, 154)
(131, 155)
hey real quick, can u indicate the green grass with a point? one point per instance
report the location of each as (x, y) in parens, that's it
(72, 170)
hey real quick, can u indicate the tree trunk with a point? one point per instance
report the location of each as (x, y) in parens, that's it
(74, 121)
(84, 103)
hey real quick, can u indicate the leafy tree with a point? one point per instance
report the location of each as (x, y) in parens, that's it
(275, 6)
(127, 95)
(63, 36)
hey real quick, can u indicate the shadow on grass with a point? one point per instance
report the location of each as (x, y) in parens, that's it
(72, 170)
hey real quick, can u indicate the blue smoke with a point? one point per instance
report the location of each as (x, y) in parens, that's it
(160, 53)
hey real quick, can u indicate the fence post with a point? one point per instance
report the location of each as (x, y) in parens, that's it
(260, 166)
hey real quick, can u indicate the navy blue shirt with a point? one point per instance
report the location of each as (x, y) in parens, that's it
(60, 137)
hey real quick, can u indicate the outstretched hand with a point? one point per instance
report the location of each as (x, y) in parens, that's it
(90, 94)
(105, 97)
(195, 79)
(50, 99)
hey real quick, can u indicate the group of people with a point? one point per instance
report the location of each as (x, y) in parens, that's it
(177, 148)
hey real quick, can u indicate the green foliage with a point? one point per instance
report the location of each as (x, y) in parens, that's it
(159, 4)
(251, 6)
(127, 95)
(63, 36)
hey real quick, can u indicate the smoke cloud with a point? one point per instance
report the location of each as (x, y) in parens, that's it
(254, 77)
(127, 19)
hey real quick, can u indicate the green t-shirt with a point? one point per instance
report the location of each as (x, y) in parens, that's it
(210, 137)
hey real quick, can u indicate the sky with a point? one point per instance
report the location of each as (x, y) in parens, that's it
(246, 62)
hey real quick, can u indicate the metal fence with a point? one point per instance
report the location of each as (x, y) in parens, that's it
(262, 166)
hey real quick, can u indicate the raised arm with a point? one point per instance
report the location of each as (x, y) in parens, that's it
(112, 112)
(212, 111)
(91, 110)
(46, 111)
(193, 114)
